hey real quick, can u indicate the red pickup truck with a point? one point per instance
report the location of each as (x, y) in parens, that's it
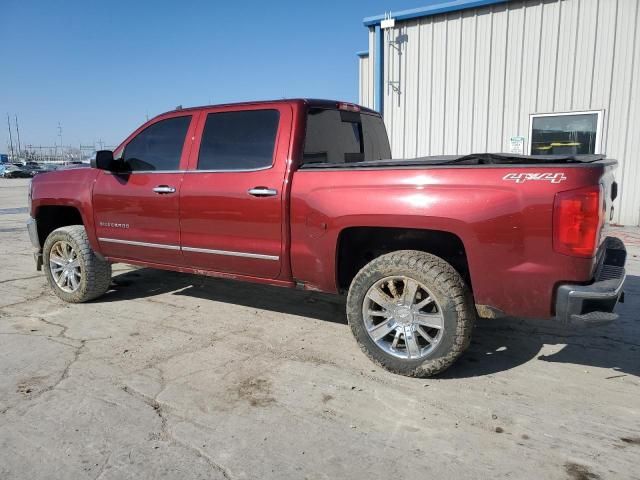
(303, 194)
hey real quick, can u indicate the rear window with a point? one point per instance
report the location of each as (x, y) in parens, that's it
(339, 136)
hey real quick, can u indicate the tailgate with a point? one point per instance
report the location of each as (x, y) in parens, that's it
(610, 189)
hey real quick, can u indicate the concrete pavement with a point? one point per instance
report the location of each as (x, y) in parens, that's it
(179, 376)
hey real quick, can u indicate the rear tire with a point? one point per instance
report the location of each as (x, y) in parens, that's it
(411, 313)
(76, 274)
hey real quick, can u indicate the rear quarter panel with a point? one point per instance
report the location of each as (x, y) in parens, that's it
(505, 226)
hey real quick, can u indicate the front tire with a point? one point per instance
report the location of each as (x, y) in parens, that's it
(411, 313)
(76, 274)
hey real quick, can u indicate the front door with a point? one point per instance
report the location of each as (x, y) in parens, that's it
(137, 211)
(231, 201)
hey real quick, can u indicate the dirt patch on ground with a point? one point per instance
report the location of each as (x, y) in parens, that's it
(580, 472)
(256, 391)
(30, 386)
(631, 440)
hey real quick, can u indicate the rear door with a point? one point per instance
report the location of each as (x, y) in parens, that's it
(137, 212)
(232, 194)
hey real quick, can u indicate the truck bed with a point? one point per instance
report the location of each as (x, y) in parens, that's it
(500, 207)
(474, 159)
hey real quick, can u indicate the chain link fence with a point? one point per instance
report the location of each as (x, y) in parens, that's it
(56, 155)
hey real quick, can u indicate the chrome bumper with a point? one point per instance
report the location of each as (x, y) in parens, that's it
(593, 304)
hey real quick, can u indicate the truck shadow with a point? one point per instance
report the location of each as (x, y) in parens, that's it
(503, 344)
(142, 283)
(497, 345)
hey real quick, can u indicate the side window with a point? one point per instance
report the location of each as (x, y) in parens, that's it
(242, 140)
(158, 147)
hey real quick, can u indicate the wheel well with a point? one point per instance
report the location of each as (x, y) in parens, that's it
(357, 246)
(50, 217)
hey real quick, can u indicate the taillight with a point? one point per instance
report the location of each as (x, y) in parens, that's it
(577, 219)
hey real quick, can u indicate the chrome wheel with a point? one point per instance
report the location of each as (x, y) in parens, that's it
(402, 317)
(64, 265)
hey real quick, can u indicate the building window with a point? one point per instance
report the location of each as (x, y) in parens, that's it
(565, 133)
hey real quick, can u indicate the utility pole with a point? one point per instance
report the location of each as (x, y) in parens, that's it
(60, 137)
(18, 132)
(10, 138)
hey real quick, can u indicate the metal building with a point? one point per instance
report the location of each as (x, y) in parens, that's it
(533, 76)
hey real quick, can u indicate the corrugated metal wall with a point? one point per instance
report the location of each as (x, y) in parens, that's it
(366, 81)
(366, 69)
(467, 81)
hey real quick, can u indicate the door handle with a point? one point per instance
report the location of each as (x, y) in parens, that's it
(263, 192)
(164, 189)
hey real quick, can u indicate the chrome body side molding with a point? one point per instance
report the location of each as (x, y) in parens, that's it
(231, 254)
(140, 244)
(228, 253)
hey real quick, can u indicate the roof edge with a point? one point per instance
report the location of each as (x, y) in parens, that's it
(435, 9)
(314, 102)
(363, 53)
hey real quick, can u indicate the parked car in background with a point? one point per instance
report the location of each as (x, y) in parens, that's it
(33, 168)
(12, 170)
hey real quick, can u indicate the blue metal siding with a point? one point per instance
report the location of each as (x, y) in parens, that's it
(379, 72)
(435, 9)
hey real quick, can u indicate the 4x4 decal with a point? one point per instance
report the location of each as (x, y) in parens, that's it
(545, 177)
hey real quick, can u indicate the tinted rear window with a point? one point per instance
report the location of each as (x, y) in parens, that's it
(338, 136)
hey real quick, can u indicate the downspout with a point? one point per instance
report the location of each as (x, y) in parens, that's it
(379, 71)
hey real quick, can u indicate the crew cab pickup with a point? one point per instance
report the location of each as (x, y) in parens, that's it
(303, 194)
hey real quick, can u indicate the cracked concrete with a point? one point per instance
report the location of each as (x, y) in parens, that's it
(178, 376)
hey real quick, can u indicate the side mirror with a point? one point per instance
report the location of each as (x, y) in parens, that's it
(104, 160)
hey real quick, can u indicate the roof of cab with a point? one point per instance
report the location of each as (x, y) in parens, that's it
(311, 102)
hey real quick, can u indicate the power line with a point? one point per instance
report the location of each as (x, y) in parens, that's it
(60, 137)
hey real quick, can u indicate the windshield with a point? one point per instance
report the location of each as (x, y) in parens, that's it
(339, 136)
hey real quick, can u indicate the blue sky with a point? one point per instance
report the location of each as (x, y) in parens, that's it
(99, 68)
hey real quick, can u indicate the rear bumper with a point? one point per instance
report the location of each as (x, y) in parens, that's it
(593, 304)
